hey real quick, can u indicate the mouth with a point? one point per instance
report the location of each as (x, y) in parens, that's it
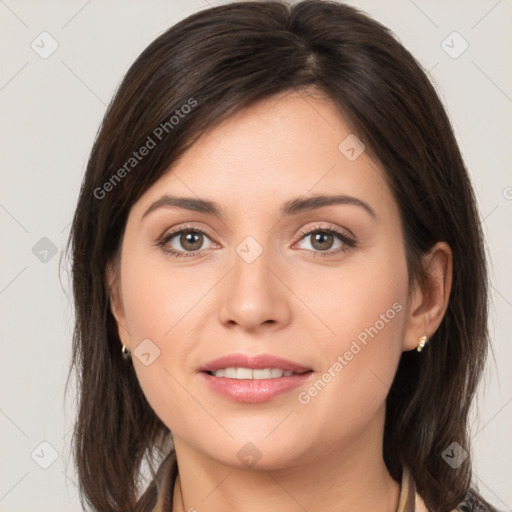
(253, 379)
(253, 374)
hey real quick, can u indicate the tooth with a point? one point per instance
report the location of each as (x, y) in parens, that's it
(243, 373)
(262, 374)
(248, 373)
(230, 373)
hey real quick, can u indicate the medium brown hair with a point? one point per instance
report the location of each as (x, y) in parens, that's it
(226, 58)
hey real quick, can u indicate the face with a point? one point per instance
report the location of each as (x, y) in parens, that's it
(274, 279)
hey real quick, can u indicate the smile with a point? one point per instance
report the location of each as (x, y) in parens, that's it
(253, 378)
(250, 374)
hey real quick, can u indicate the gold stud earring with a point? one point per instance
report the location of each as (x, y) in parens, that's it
(125, 353)
(422, 342)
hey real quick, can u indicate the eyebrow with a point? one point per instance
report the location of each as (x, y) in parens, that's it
(292, 207)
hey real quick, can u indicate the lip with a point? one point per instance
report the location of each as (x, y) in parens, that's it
(255, 362)
(254, 390)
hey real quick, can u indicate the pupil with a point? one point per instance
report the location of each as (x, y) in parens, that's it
(188, 238)
(321, 238)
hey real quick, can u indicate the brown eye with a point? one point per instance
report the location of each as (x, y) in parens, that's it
(326, 241)
(185, 242)
(322, 240)
(191, 240)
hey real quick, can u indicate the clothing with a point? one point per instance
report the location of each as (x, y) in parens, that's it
(159, 495)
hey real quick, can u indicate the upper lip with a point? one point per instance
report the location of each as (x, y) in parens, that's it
(255, 362)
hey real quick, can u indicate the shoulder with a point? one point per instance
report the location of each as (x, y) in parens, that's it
(473, 502)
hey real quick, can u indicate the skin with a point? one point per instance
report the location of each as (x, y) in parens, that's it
(323, 455)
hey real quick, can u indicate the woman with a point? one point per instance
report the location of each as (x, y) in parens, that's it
(318, 344)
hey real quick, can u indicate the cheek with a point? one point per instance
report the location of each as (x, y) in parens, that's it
(365, 298)
(157, 299)
(365, 311)
(165, 308)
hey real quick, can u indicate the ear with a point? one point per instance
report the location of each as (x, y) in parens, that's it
(429, 299)
(116, 305)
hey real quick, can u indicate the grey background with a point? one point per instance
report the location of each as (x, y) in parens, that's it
(50, 111)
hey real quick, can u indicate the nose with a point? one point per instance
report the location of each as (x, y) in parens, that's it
(254, 294)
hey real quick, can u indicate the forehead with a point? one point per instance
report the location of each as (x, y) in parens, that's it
(289, 145)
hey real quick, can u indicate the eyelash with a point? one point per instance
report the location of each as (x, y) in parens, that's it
(348, 242)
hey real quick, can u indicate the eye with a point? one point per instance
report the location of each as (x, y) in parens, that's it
(327, 241)
(184, 242)
(188, 241)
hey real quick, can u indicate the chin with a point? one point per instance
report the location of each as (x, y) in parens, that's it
(260, 453)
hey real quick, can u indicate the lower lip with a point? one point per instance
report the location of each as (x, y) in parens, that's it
(254, 390)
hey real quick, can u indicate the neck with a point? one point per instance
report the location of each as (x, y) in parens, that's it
(352, 477)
